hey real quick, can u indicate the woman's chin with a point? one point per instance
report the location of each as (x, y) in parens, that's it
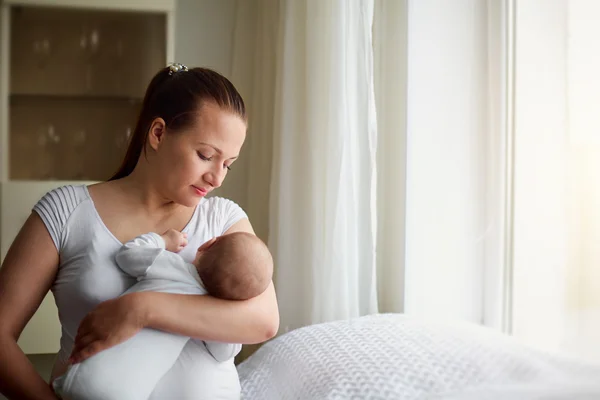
(188, 200)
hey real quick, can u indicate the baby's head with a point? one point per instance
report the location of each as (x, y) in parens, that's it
(236, 266)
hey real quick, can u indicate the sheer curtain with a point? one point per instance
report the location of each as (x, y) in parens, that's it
(412, 193)
(498, 138)
(500, 133)
(321, 228)
(441, 122)
(448, 140)
(557, 176)
(583, 94)
(442, 167)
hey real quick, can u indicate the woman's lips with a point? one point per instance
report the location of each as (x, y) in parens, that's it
(200, 191)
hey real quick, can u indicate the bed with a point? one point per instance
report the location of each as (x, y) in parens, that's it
(394, 356)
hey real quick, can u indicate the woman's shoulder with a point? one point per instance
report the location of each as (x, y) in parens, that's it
(219, 214)
(63, 199)
(57, 205)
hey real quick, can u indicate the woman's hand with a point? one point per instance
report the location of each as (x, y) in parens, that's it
(110, 323)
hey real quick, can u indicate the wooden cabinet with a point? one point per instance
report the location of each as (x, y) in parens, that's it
(72, 78)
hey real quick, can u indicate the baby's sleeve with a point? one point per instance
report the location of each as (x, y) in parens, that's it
(55, 208)
(137, 256)
(222, 352)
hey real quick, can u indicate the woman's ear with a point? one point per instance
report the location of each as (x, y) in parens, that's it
(156, 133)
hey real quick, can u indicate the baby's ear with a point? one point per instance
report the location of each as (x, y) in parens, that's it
(206, 245)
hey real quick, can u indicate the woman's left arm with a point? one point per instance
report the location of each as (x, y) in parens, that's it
(208, 318)
(204, 317)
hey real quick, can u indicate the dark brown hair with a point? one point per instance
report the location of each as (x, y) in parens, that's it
(175, 97)
(238, 266)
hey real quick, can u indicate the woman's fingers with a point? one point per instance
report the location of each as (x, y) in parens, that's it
(86, 352)
(109, 324)
(83, 342)
(81, 333)
(84, 328)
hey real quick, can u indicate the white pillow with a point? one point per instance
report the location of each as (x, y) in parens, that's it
(392, 356)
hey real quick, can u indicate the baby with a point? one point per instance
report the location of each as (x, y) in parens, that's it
(235, 266)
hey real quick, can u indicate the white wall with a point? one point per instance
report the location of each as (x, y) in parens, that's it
(204, 33)
(204, 37)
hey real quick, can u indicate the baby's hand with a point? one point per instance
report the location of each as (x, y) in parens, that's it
(175, 241)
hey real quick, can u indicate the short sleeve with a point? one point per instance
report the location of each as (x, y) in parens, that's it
(230, 213)
(55, 208)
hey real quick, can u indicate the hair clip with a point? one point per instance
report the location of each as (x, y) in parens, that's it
(176, 67)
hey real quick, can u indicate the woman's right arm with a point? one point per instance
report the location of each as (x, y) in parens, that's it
(26, 276)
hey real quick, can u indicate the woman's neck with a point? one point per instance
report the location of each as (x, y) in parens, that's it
(142, 187)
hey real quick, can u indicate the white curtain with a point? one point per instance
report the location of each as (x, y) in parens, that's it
(306, 68)
(502, 217)
(322, 184)
(583, 290)
(440, 110)
(447, 136)
(472, 192)
(557, 176)
(435, 220)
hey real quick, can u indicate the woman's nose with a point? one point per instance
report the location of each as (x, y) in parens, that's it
(214, 178)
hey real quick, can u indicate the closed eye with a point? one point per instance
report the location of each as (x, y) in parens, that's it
(204, 158)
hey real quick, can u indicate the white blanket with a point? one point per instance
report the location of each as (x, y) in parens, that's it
(391, 356)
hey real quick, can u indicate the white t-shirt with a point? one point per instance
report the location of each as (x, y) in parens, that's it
(88, 274)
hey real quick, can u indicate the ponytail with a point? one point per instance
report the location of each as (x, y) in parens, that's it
(174, 94)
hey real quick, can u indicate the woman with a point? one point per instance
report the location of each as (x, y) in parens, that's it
(190, 130)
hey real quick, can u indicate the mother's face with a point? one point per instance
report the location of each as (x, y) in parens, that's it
(191, 163)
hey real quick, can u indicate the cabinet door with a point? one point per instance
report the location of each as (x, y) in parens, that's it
(77, 78)
(42, 333)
